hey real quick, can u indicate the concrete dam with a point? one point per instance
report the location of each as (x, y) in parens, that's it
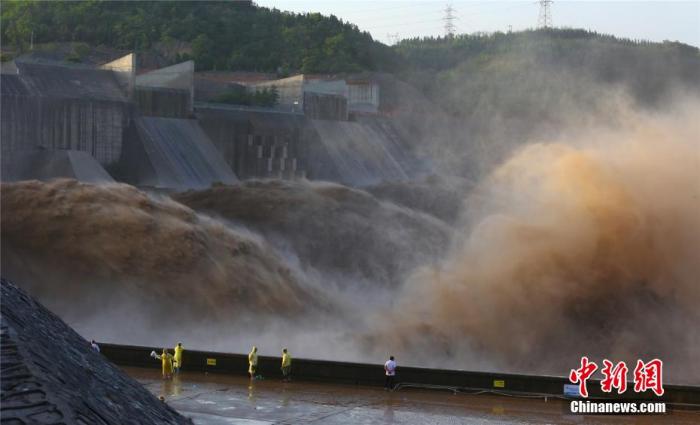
(146, 130)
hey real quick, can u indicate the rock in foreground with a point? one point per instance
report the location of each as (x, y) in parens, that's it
(51, 375)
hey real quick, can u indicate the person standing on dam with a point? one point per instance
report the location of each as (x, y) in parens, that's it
(94, 346)
(167, 362)
(390, 372)
(178, 357)
(286, 366)
(253, 362)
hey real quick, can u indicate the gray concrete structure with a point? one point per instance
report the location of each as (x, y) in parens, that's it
(47, 165)
(355, 153)
(124, 69)
(163, 102)
(361, 94)
(256, 142)
(262, 143)
(324, 86)
(59, 107)
(178, 78)
(325, 106)
(171, 153)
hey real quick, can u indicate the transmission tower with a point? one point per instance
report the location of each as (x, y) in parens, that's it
(449, 21)
(393, 38)
(545, 20)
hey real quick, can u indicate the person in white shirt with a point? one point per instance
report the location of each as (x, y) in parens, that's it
(94, 346)
(390, 372)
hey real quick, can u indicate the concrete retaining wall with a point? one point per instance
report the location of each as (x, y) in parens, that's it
(371, 374)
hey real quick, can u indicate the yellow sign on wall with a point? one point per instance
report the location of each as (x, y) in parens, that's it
(211, 362)
(499, 383)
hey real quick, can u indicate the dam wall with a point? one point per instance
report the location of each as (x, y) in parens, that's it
(47, 165)
(356, 153)
(114, 116)
(172, 153)
(261, 143)
(63, 108)
(256, 142)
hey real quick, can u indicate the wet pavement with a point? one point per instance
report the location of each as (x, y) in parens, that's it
(211, 399)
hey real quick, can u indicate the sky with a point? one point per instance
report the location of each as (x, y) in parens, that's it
(389, 20)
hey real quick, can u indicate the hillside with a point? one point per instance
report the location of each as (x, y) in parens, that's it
(462, 67)
(217, 35)
(502, 90)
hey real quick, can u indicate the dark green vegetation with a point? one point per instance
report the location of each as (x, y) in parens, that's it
(221, 35)
(240, 96)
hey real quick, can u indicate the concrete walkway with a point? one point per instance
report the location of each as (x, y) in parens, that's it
(224, 399)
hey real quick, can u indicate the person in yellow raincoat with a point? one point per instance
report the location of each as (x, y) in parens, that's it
(167, 361)
(177, 364)
(253, 362)
(286, 365)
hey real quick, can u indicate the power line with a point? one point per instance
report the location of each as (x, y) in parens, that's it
(545, 18)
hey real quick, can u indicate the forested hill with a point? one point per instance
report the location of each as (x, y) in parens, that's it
(222, 35)
(511, 68)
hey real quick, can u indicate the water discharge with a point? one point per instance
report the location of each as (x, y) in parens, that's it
(586, 245)
(90, 250)
(589, 246)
